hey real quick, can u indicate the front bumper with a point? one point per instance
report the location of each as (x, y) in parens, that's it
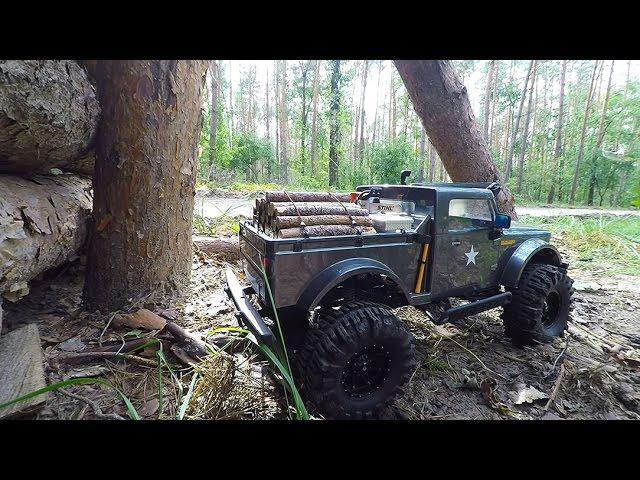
(246, 313)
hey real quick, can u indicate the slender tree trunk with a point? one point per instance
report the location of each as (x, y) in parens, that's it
(493, 139)
(144, 182)
(585, 120)
(284, 129)
(555, 177)
(441, 102)
(362, 111)
(375, 117)
(423, 159)
(276, 81)
(334, 134)
(267, 119)
(231, 128)
(432, 162)
(215, 89)
(514, 133)
(626, 89)
(487, 100)
(525, 133)
(304, 67)
(314, 117)
(600, 138)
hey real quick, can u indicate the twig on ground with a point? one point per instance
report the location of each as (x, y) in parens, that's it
(564, 350)
(97, 411)
(556, 388)
(88, 356)
(476, 357)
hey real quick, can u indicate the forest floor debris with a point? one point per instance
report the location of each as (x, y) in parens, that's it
(465, 370)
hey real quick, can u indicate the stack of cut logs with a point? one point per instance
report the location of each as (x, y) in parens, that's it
(310, 214)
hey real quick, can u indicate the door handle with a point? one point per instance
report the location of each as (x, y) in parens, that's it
(455, 243)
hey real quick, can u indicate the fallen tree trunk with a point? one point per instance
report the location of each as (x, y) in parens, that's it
(48, 116)
(305, 197)
(283, 222)
(313, 208)
(226, 247)
(324, 231)
(43, 223)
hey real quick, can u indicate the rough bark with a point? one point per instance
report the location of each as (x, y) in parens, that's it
(282, 222)
(324, 231)
(558, 145)
(334, 133)
(144, 180)
(48, 116)
(314, 117)
(226, 247)
(585, 119)
(441, 102)
(43, 223)
(314, 208)
(423, 158)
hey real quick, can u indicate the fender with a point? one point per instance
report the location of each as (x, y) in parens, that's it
(338, 273)
(521, 257)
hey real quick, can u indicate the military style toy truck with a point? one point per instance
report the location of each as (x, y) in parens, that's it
(335, 295)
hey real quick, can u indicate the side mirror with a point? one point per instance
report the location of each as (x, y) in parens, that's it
(502, 221)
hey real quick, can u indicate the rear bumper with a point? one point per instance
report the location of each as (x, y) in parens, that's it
(246, 313)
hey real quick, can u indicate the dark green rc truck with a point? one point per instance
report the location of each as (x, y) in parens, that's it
(334, 295)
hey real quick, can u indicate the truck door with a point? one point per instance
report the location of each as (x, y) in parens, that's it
(465, 257)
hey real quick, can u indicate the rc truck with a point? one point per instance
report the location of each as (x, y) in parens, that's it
(335, 295)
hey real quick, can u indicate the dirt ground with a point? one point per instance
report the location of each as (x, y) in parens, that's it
(465, 371)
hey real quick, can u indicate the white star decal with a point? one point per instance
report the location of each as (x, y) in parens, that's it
(471, 256)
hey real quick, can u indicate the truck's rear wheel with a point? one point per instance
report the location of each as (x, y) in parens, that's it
(540, 305)
(356, 360)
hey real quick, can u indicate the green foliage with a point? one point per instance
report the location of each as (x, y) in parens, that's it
(389, 160)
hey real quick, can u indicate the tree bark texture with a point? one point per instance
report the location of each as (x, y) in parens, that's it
(441, 102)
(324, 231)
(144, 180)
(275, 196)
(293, 221)
(315, 208)
(43, 223)
(226, 247)
(48, 116)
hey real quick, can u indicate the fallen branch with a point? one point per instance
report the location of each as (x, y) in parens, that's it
(97, 411)
(556, 388)
(83, 357)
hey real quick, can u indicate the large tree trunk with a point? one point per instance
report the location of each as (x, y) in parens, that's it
(314, 117)
(585, 120)
(525, 133)
(555, 176)
(144, 181)
(334, 133)
(215, 87)
(43, 223)
(441, 102)
(48, 116)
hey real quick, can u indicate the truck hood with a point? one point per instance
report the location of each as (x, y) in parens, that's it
(524, 231)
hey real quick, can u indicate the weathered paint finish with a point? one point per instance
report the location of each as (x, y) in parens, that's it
(144, 179)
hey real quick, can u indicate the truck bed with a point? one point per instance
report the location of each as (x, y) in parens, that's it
(292, 265)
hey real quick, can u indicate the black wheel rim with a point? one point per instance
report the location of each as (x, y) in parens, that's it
(366, 371)
(550, 309)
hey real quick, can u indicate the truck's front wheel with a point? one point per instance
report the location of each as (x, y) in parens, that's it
(356, 360)
(540, 306)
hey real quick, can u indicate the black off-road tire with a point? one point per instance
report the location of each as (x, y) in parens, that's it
(540, 305)
(360, 340)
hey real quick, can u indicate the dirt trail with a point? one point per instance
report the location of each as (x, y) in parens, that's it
(233, 206)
